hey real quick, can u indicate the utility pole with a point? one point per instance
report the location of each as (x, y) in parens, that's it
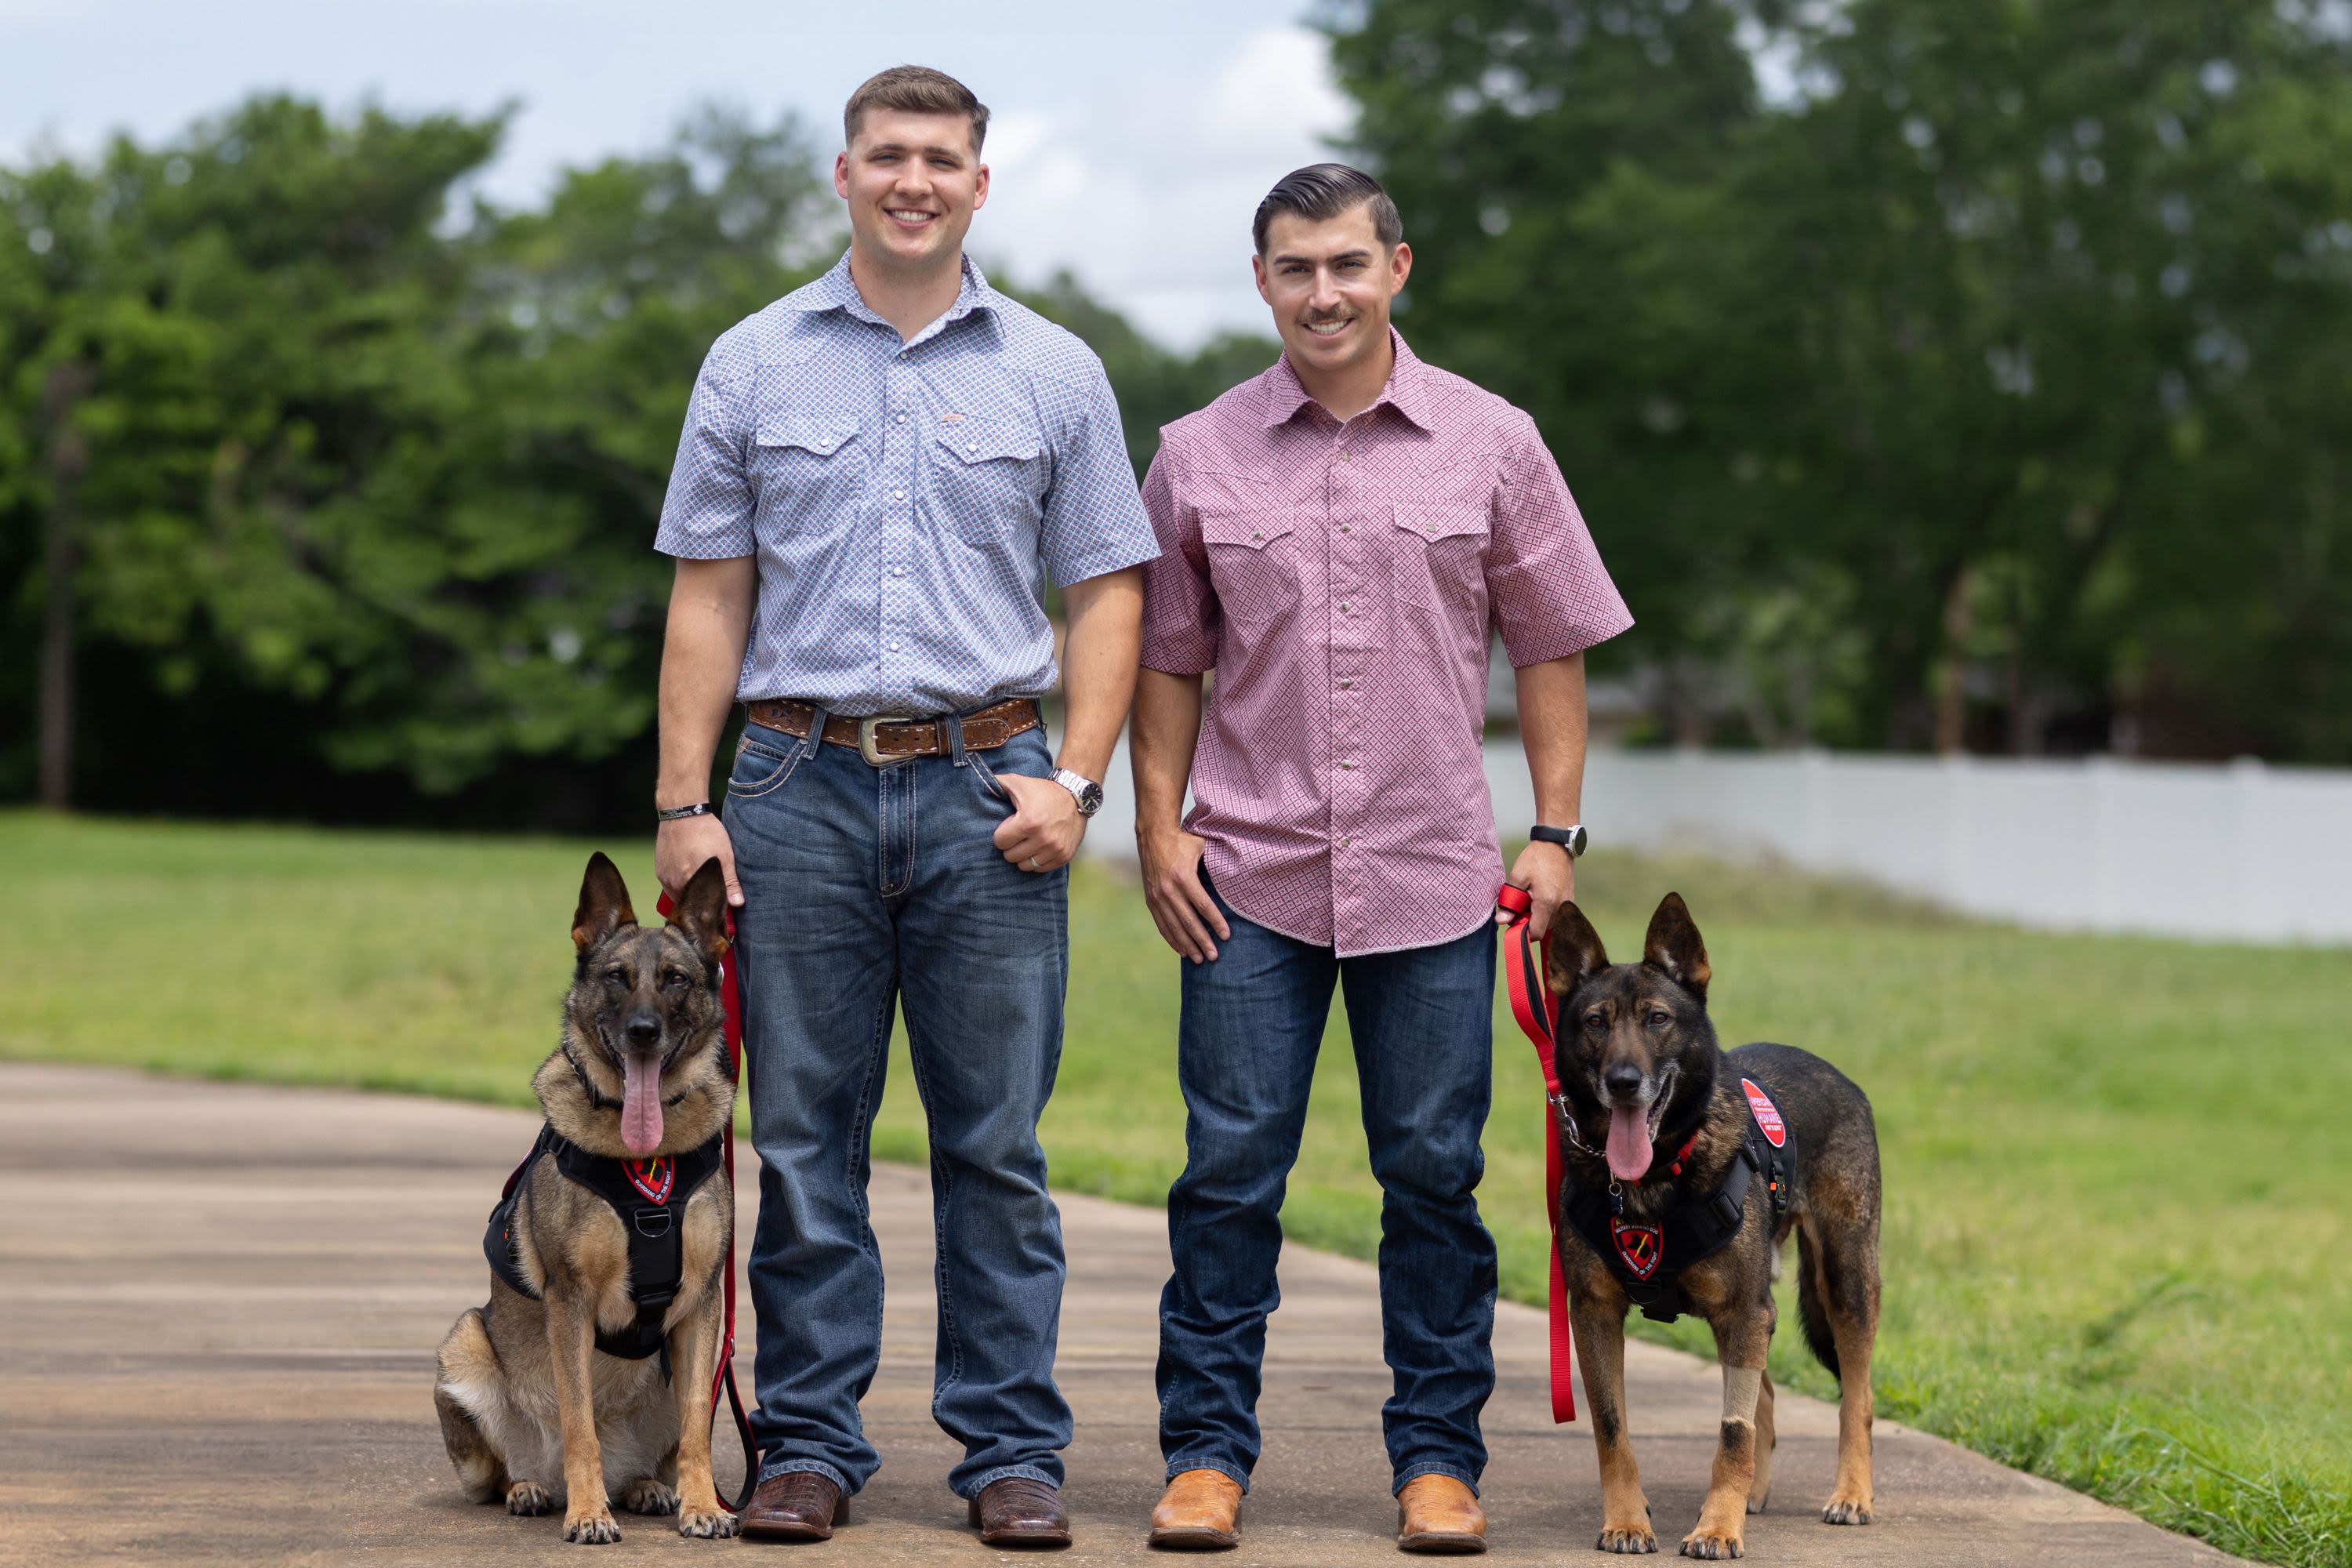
(67, 384)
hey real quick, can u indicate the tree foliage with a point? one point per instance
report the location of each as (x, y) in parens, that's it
(1988, 378)
(372, 473)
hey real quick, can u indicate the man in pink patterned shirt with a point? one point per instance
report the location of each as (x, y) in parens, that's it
(1340, 537)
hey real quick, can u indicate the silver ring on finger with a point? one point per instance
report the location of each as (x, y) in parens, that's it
(1032, 864)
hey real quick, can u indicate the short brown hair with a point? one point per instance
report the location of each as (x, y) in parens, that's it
(1322, 192)
(915, 90)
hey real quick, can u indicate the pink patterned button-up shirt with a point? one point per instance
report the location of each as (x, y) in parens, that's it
(1343, 582)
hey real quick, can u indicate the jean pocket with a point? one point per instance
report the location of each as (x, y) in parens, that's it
(989, 782)
(760, 768)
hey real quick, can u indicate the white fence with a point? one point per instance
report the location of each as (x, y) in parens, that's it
(2241, 852)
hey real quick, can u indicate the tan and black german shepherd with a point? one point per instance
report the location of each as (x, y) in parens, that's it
(534, 1413)
(1657, 1115)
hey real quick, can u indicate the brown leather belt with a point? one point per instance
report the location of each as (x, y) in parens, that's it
(885, 737)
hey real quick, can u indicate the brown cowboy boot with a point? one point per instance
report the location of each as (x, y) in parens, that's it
(1438, 1513)
(1196, 1512)
(1018, 1511)
(799, 1505)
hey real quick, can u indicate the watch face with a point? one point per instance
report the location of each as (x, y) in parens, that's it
(1090, 800)
(1576, 839)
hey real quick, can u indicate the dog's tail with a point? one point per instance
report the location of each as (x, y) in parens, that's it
(1813, 1310)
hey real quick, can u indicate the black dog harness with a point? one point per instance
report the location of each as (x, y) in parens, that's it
(650, 1197)
(1694, 1231)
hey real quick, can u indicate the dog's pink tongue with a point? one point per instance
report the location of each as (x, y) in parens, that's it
(641, 1118)
(1629, 1143)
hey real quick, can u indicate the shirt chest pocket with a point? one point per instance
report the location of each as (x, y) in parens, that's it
(810, 471)
(989, 476)
(1439, 560)
(1253, 562)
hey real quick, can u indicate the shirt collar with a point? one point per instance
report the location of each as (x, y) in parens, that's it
(1285, 396)
(836, 291)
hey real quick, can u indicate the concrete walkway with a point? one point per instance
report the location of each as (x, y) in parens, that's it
(221, 1303)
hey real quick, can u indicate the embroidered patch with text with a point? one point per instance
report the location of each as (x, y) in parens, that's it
(1768, 1115)
(652, 1177)
(1641, 1247)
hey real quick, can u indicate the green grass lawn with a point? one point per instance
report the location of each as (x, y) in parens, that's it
(2116, 1229)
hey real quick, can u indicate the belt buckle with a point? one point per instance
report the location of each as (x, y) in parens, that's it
(866, 728)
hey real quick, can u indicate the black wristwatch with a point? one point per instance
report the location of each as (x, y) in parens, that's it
(1570, 839)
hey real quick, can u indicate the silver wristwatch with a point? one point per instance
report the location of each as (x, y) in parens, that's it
(1089, 792)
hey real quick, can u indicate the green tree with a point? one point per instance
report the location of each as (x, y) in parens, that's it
(342, 498)
(1907, 406)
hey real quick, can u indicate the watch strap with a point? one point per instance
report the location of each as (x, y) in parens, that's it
(1572, 838)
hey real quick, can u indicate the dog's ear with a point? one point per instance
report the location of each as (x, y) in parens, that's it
(1573, 952)
(604, 904)
(701, 912)
(1674, 946)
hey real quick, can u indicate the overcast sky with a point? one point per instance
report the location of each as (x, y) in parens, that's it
(1129, 143)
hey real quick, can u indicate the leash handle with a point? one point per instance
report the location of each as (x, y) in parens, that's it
(730, 998)
(1524, 963)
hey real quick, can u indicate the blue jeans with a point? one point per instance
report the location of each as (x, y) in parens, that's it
(1422, 1021)
(864, 888)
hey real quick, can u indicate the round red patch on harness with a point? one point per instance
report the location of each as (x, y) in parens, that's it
(1641, 1247)
(1766, 1114)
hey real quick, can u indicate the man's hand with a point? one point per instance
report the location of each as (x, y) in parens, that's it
(1547, 872)
(1180, 907)
(680, 847)
(1043, 830)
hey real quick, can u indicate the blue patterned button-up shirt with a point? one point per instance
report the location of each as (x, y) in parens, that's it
(904, 497)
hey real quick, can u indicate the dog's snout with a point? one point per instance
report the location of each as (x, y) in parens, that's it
(1622, 1080)
(645, 1029)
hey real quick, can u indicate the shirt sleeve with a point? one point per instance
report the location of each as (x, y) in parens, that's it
(1094, 521)
(1180, 615)
(1550, 593)
(707, 514)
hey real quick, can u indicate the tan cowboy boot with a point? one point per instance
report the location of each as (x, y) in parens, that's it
(1196, 1512)
(1438, 1513)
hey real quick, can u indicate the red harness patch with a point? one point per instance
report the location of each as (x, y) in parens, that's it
(1766, 1114)
(1642, 1246)
(652, 1177)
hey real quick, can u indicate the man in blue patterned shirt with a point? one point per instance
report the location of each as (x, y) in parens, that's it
(877, 473)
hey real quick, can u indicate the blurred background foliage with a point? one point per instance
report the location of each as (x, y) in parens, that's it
(1960, 377)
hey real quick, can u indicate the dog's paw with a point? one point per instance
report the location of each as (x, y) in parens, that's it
(529, 1499)
(1846, 1509)
(646, 1495)
(710, 1524)
(591, 1530)
(1713, 1545)
(1627, 1537)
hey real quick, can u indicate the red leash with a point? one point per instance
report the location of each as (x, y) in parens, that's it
(1523, 971)
(731, 995)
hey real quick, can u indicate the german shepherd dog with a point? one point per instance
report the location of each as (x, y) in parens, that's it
(534, 1414)
(1646, 1087)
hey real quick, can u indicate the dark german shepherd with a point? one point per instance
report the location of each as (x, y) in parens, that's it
(1656, 1116)
(533, 1412)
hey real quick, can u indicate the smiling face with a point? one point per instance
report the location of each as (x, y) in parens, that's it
(912, 182)
(1329, 283)
(1635, 1039)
